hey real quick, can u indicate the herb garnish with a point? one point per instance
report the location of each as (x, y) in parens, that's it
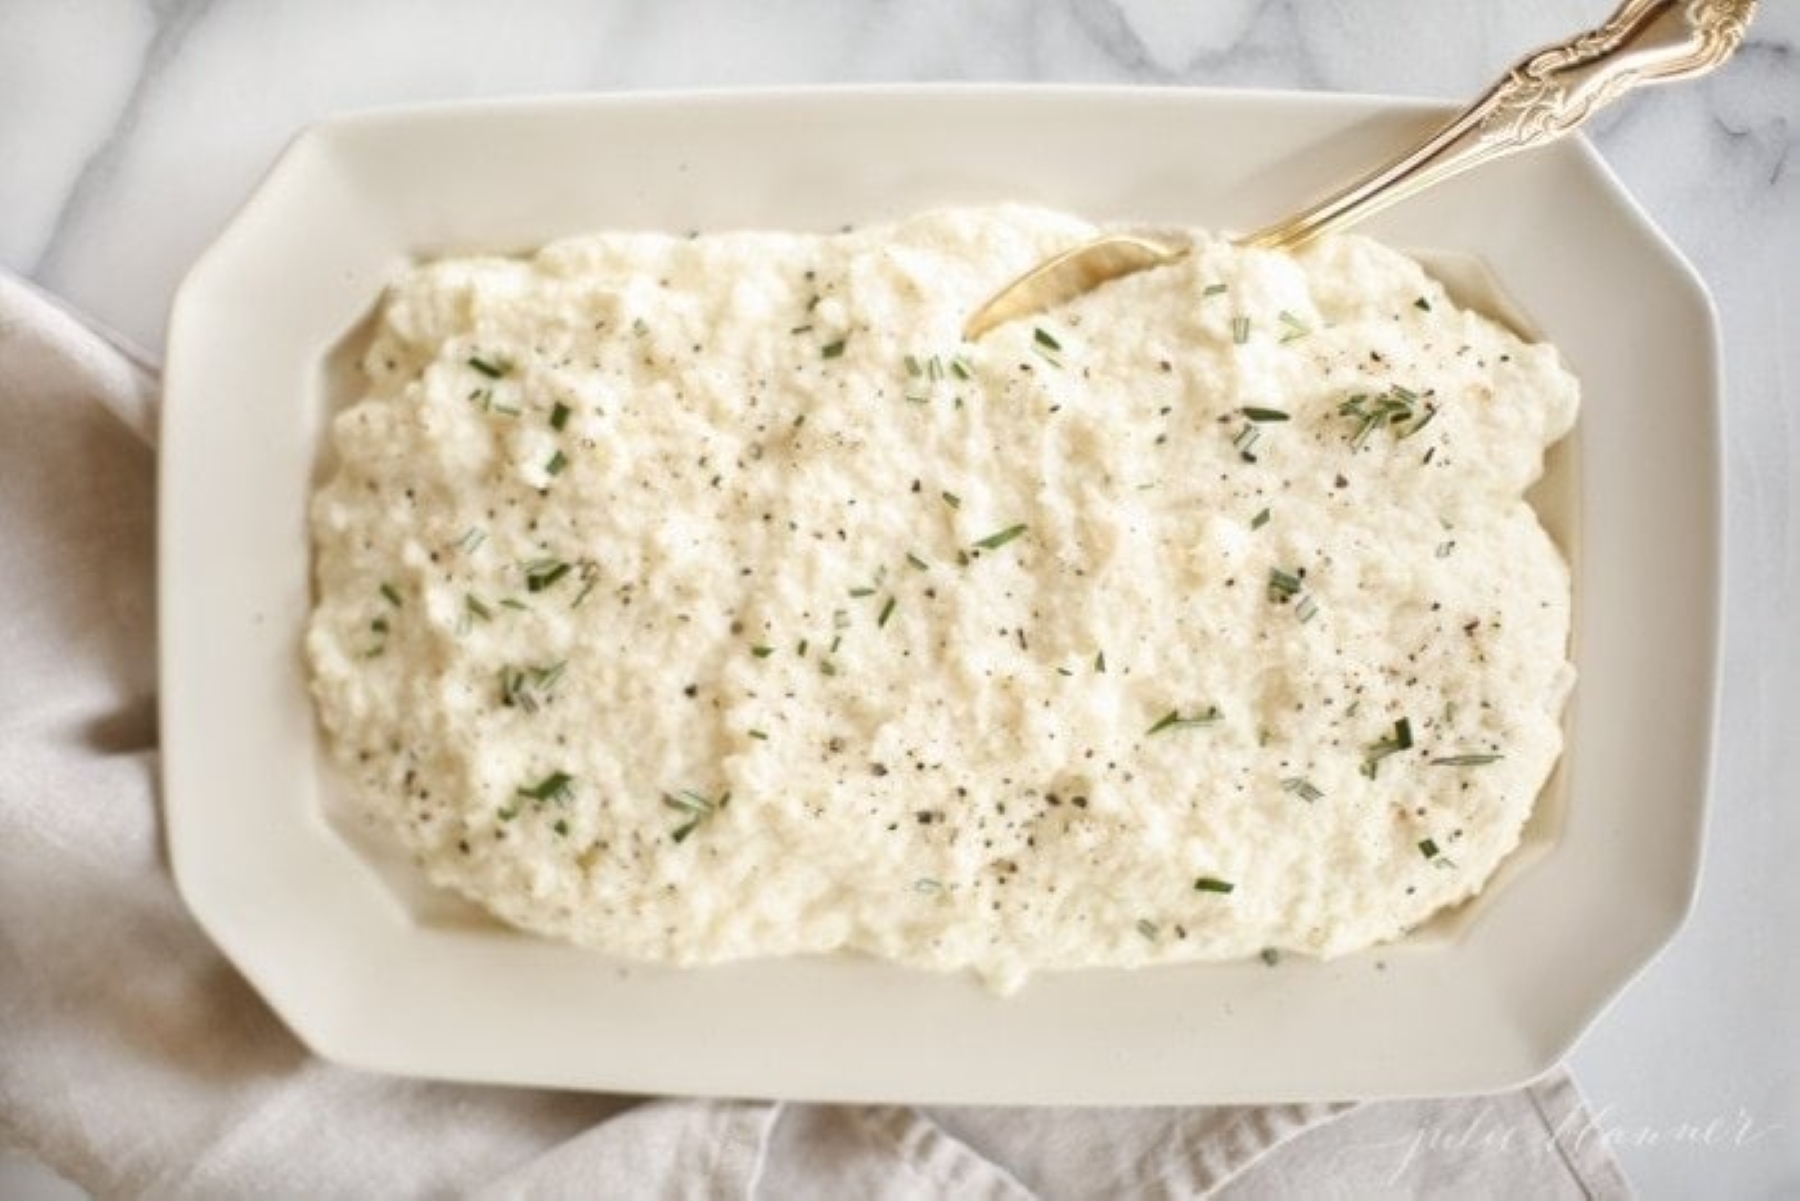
(391, 595)
(917, 562)
(1215, 289)
(492, 368)
(887, 611)
(1211, 884)
(1173, 720)
(832, 350)
(1260, 520)
(1246, 441)
(1301, 787)
(553, 787)
(700, 809)
(559, 415)
(1401, 740)
(953, 500)
(526, 688)
(1296, 328)
(557, 462)
(1283, 585)
(1240, 330)
(759, 735)
(1259, 414)
(1148, 928)
(1466, 760)
(762, 652)
(473, 606)
(1391, 409)
(1000, 538)
(1422, 305)
(543, 573)
(1428, 848)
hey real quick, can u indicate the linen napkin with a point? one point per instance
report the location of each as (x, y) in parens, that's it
(134, 1060)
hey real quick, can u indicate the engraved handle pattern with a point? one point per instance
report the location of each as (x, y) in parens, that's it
(1559, 87)
(1540, 99)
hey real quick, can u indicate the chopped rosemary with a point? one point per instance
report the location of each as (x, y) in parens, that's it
(959, 367)
(541, 574)
(1401, 740)
(1296, 328)
(1422, 305)
(1270, 956)
(1240, 330)
(391, 595)
(492, 368)
(1211, 884)
(700, 809)
(1100, 662)
(557, 462)
(1259, 414)
(762, 652)
(471, 539)
(474, 607)
(1173, 720)
(1246, 441)
(759, 735)
(953, 500)
(860, 591)
(912, 366)
(1307, 609)
(526, 688)
(1444, 549)
(1301, 787)
(1260, 520)
(1148, 928)
(1042, 337)
(553, 787)
(887, 611)
(559, 415)
(1282, 585)
(1428, 848)
(590, 578)
(1391, 409)
(1466, 760)
(1215, 289)
(917, 562)
(1000, 538)
(832, 350)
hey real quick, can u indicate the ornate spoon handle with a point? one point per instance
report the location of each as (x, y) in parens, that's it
(1540, 99)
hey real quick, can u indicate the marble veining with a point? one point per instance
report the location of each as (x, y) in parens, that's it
(131, 129)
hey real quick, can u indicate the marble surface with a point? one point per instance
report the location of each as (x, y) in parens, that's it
(130, 129)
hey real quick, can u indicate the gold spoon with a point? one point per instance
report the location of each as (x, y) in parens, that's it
(1540, 99)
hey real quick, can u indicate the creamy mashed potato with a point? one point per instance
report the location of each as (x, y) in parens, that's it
(698, 598)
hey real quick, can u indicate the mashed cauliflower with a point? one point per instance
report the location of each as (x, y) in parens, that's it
(708, 597)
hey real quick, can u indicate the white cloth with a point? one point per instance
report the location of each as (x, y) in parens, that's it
(134, 1060)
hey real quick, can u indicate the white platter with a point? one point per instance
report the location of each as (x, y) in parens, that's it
(371, 970)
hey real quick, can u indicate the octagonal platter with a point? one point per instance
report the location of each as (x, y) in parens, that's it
(372, 968)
